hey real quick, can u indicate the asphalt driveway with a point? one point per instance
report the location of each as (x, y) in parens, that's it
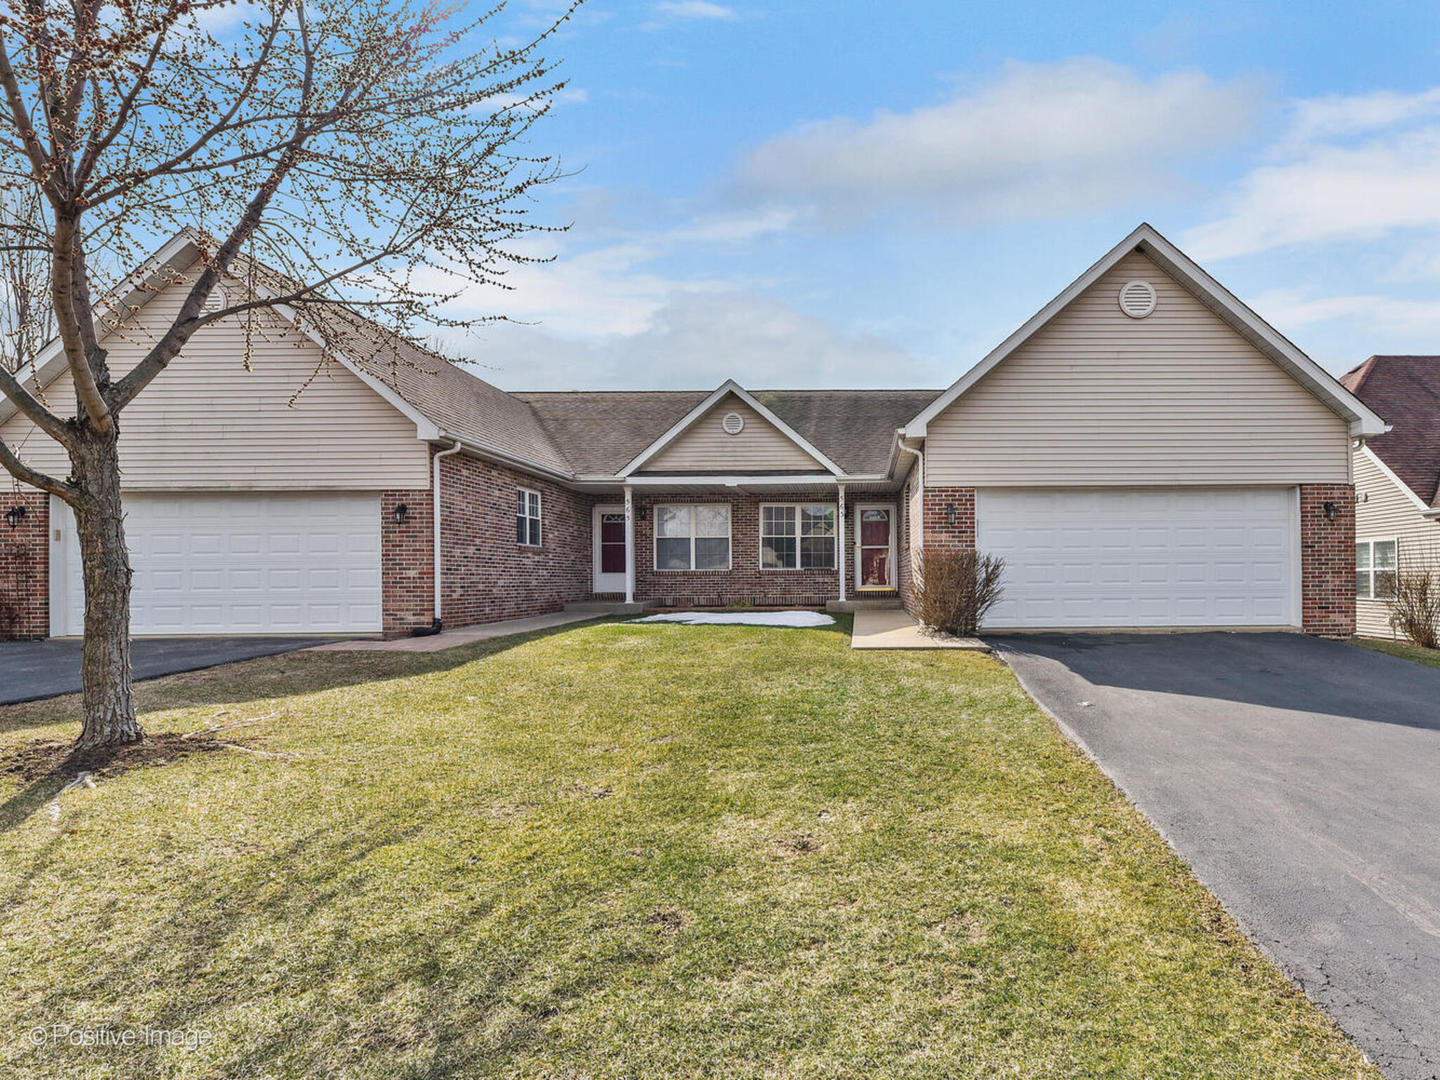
(30, 670)
(1301, 780)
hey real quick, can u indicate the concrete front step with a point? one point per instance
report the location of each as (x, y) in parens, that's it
(888, 603)
(604, 607)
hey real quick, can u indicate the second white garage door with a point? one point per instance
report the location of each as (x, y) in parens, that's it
(1143, 558)
(242, 563)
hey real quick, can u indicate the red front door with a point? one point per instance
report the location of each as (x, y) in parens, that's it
(875, 527)
(612, 543)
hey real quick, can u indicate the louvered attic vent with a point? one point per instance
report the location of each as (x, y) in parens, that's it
(1137, 299)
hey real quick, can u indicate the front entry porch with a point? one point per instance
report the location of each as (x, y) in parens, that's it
(752, 543)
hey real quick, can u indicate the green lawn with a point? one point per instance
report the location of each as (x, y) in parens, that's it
(1406, 649)
(622, 851)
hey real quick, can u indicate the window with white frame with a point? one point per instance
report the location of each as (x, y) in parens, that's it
(692, 537)
(797, 536)
(527, 517)
(1375, 565)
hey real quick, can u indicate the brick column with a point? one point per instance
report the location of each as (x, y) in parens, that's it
(407, 565)
(1327, 560)
(25, 568)
(940, 533)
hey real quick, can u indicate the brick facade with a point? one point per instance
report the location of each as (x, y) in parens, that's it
(25, 568)
(1327, 560)
(407, 565)
(940, 532)
(744, 582)
(485, 574)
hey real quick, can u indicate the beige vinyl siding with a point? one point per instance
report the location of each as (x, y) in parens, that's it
(1096, 397)
(706, 447)
(206, 422)
(1385, 511)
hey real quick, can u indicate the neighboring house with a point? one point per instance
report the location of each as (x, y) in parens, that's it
(1397, 481)
(1144, 452)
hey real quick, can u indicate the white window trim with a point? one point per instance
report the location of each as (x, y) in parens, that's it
(760, 534)
(655, 539)
(1370, 573)
(539, 515)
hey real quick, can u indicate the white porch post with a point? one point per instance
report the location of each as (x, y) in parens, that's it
(629, 545)
(840, 541)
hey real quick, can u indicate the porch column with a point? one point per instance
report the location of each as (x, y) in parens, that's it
(629, 545)
(840, 540)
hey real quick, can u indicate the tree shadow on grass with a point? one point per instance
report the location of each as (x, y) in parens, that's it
(308, 959)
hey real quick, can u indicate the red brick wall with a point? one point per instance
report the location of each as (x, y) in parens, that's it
(939, 533)
(485, 574)
(1327, 560)
(25, 568)
(407, 565)
(744, 582)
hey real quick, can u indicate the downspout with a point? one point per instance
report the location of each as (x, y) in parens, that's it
(438, 624)
(917, 536)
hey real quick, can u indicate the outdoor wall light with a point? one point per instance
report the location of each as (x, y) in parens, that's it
(949, 513)
(402, 514)
(1331, 512)
(643, 513)
(14, 515)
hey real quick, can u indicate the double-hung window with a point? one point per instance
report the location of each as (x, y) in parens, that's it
(798, 536)
(527, 517)
(692, 537)
(1376, 562)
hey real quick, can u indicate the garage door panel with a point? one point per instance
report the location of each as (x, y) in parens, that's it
(240, 563)
(1177, 557)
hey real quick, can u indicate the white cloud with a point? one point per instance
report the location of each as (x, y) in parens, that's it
(1372, 313)
(695, 9)
(1042, 140)
(1348, 168)
(696, 340)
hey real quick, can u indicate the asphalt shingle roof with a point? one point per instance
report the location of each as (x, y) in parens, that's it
(1405, 391)
(600, 432)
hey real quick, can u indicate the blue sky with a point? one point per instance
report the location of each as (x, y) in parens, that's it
(866, 194)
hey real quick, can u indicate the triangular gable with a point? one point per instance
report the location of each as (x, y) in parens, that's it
(729, 389)
(1145, 239)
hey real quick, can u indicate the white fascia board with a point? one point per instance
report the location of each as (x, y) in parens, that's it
(1320, 383)
(513, 460)
(1389, 474)
(729, 386)
(725, 480)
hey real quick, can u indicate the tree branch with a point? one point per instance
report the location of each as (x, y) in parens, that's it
(34, 477)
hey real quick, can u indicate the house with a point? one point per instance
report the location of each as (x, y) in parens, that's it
(1144, 452)
(1397, 481)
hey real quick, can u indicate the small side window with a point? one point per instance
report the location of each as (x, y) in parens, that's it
(527, 517)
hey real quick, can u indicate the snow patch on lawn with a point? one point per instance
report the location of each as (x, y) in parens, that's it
(743, 618)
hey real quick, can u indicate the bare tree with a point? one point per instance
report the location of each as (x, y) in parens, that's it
(368, 150)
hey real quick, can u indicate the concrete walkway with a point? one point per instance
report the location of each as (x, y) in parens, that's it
(893, 628)
(465, 635)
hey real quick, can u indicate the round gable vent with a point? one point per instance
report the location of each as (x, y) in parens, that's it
(215, 301)
(1137, 299)
(733, 423)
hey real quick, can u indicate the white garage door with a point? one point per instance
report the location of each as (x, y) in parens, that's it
(1166, 557)
(236, 564)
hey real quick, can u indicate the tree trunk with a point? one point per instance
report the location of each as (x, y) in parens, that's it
(109, 706)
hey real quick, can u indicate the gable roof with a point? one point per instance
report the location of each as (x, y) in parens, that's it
(719, 394)
(1323, 385)
(603, 431)
(1406, 391)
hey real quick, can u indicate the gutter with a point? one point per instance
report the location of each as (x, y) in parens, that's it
(501, 456)
(438, 623)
